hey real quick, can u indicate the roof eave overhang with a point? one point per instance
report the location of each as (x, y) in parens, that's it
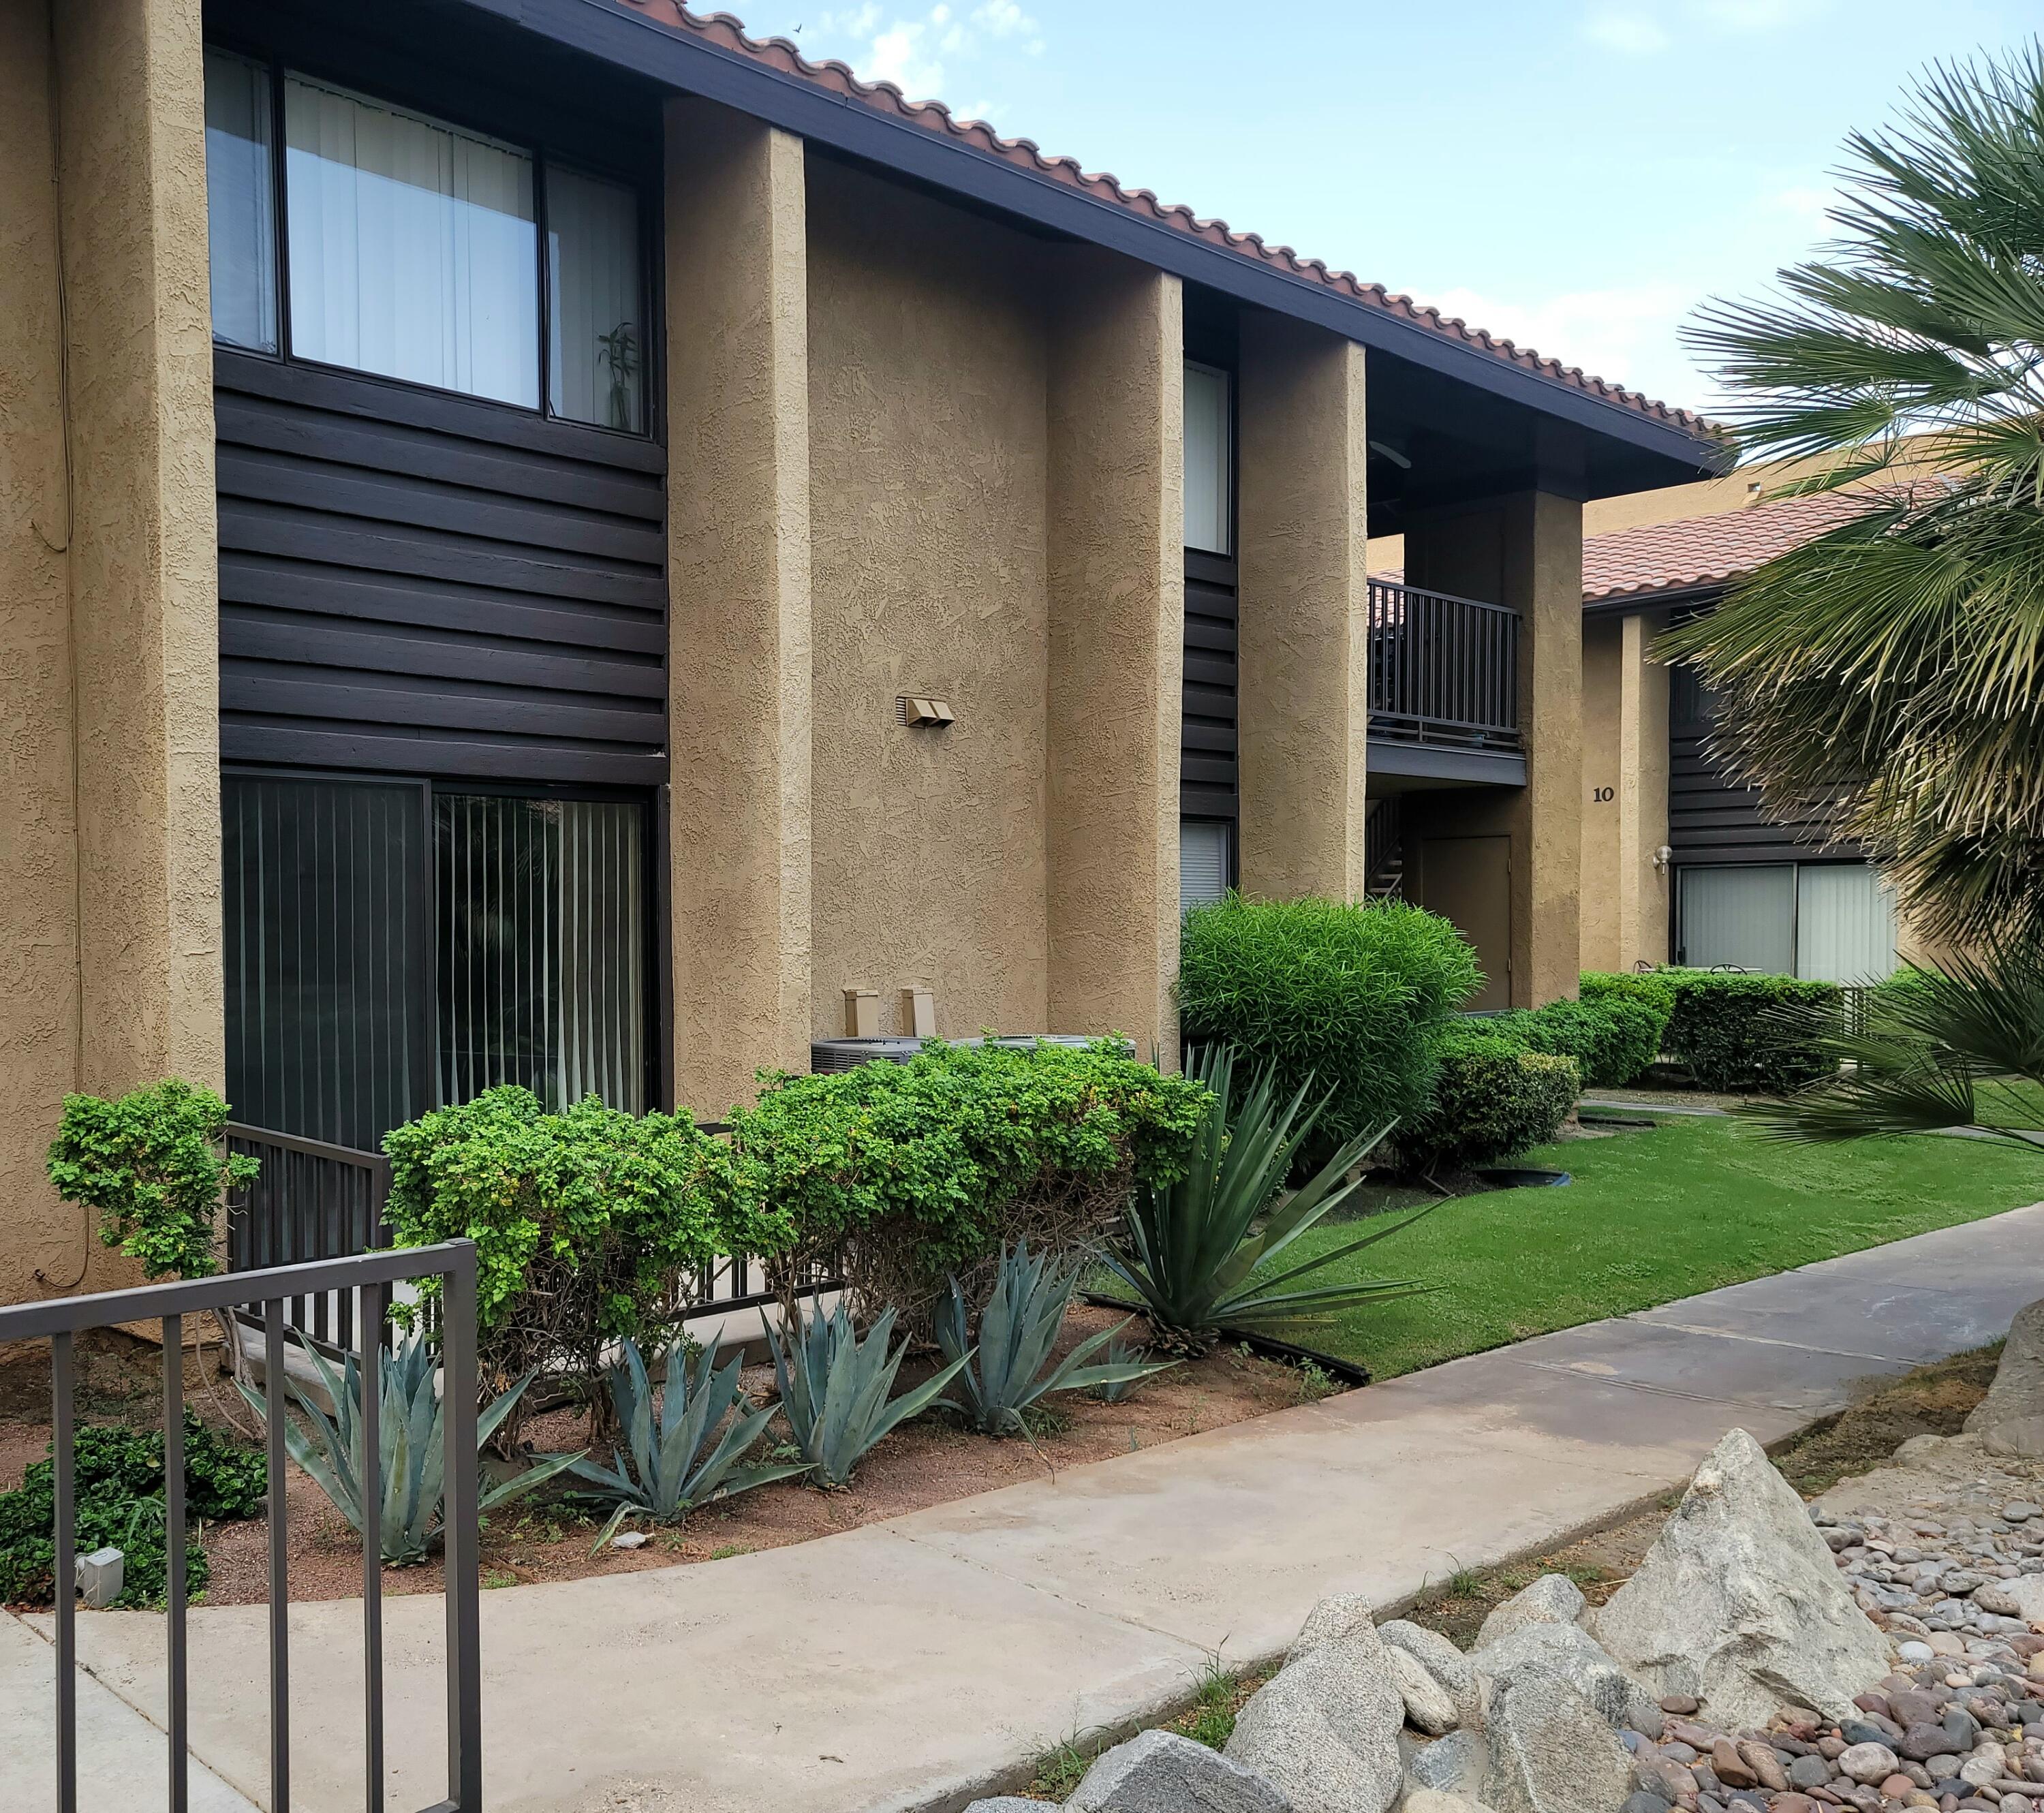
(1626, 603)
(598, 28)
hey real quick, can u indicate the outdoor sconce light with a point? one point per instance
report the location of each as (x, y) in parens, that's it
(924, 714)
(1662, 858)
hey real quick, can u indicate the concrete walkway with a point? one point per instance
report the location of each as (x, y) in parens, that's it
(905, 1664)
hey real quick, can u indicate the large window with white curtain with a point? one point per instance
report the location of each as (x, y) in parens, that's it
(1206, 861)
(421, 250)
(1832, 922)
(1209, 459)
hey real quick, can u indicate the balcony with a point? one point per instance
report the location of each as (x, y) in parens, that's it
(1444, 687)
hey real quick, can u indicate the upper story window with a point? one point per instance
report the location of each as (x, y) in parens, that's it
(1209, 459)
(417, 250)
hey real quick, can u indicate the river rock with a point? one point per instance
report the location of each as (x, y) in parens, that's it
(1429, 1707)
(1740, 1601)
(1162, 1772)
(1323, 1731)
(1550, 1751)
(1553, 1598)
(2010, 1419)
(2022, 1597)
(1569, 1653)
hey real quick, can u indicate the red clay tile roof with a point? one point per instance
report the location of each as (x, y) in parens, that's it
(1698, 551)
(728, 33)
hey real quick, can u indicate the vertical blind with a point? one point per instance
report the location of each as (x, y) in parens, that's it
(1205, 849)
(596, 339)
(1208, 450)
(541, 948)
(325, 955)
(1745, 916)
(1845, 924)
(240, 205)
(413, 247)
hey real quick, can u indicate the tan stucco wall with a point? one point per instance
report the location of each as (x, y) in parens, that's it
(110, 831)
(1603, 771)
(1645, 888)
(1116, 575)
(1526, 551)
(928, 364)
(739, 600)
(1302, 699)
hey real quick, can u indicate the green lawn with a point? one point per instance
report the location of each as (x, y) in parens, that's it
(1651, 1217)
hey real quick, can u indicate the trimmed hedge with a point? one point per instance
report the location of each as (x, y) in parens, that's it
(1752, 1033)
(1343, 1000)
(1493, 1097)
(1612, 1037)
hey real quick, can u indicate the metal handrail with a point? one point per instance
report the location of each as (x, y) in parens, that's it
(1443, 669)
(61, 1318)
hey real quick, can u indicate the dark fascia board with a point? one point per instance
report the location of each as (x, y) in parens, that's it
(599, 29)
(1629, 604)
(1433, 761)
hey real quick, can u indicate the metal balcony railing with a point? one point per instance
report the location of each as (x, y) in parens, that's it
(1443, 669)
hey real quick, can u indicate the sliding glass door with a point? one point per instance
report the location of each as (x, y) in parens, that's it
(391, 946)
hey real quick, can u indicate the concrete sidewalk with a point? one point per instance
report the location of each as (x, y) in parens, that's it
(903, 1666)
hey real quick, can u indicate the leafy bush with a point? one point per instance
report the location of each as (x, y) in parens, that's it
(1494, 1097)
(411, 1447)
(834, 1389)
(1196, 1251)
(1612, 1037)
(1342, 1001)
(151, 1162)
(908, 1173)
(589, 1226)
(1758, 1033)
(117, 1476)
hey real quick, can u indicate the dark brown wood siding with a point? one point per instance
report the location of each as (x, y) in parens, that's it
(1207, 767)
(1711, 817)
(421, 583)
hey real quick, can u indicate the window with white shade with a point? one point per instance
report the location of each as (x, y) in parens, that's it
(1206, 861)
(1832, 922)
(421, 250)
(240, 202)
(1209, 459)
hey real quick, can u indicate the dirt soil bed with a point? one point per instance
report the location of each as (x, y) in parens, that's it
(931, 1460)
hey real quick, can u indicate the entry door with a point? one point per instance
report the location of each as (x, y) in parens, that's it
(1468, 881)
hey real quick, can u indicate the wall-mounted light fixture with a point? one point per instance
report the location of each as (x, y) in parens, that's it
(1662, 858)
(923, 713)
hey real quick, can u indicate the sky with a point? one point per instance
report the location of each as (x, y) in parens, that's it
(1577, 176)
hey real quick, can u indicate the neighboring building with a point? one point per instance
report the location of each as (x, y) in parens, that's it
(550, 542)
(1679, 862)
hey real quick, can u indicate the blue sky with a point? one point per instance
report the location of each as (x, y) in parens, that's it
(1575, 174)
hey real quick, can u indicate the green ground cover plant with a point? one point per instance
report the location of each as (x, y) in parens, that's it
(1342, 1000)
(1494, 1097)
(1651, 1217)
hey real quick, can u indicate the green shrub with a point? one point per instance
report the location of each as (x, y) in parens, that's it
(590, 1226)
(908, 1172)
(1493, 1098)
(151, 1162)
(117, 1475)
(1612, 1037)
(1341, 1000)
(1754, 1033)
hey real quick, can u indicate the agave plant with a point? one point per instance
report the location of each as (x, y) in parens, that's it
(411, 1443)
(834, 1389)
(1197, 1253)
(678, 1461)
(1119, 1356)
(1017, 1330)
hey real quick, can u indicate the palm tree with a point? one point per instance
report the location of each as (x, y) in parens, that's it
(1894, 666)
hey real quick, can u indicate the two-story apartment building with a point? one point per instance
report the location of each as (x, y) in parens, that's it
(547, 540)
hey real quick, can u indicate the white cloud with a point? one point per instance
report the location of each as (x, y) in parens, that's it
(1632, 34)
(1803, 203)
(1626, 334)
(1759, 15)
(916, 51)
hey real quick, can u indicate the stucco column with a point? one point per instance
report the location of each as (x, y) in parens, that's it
(1643, 798)
(1525, 550)
(1303, 699)
(1116, 573)
(144, 556)
(738, 524)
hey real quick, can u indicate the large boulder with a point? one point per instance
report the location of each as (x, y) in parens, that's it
(1442, 1660)
(1740, 1602)
(1323, 1731)
(1428, 1705)
(1550, 1751)
(1571, 1654)
(1553, 1598)
(1432, 1801)
(1456, 1764)
(2010, 1419)
(1162, 1772)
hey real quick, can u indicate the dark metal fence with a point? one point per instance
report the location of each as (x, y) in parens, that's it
(312, 1200)
(1443, 669)
(368, 1277)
